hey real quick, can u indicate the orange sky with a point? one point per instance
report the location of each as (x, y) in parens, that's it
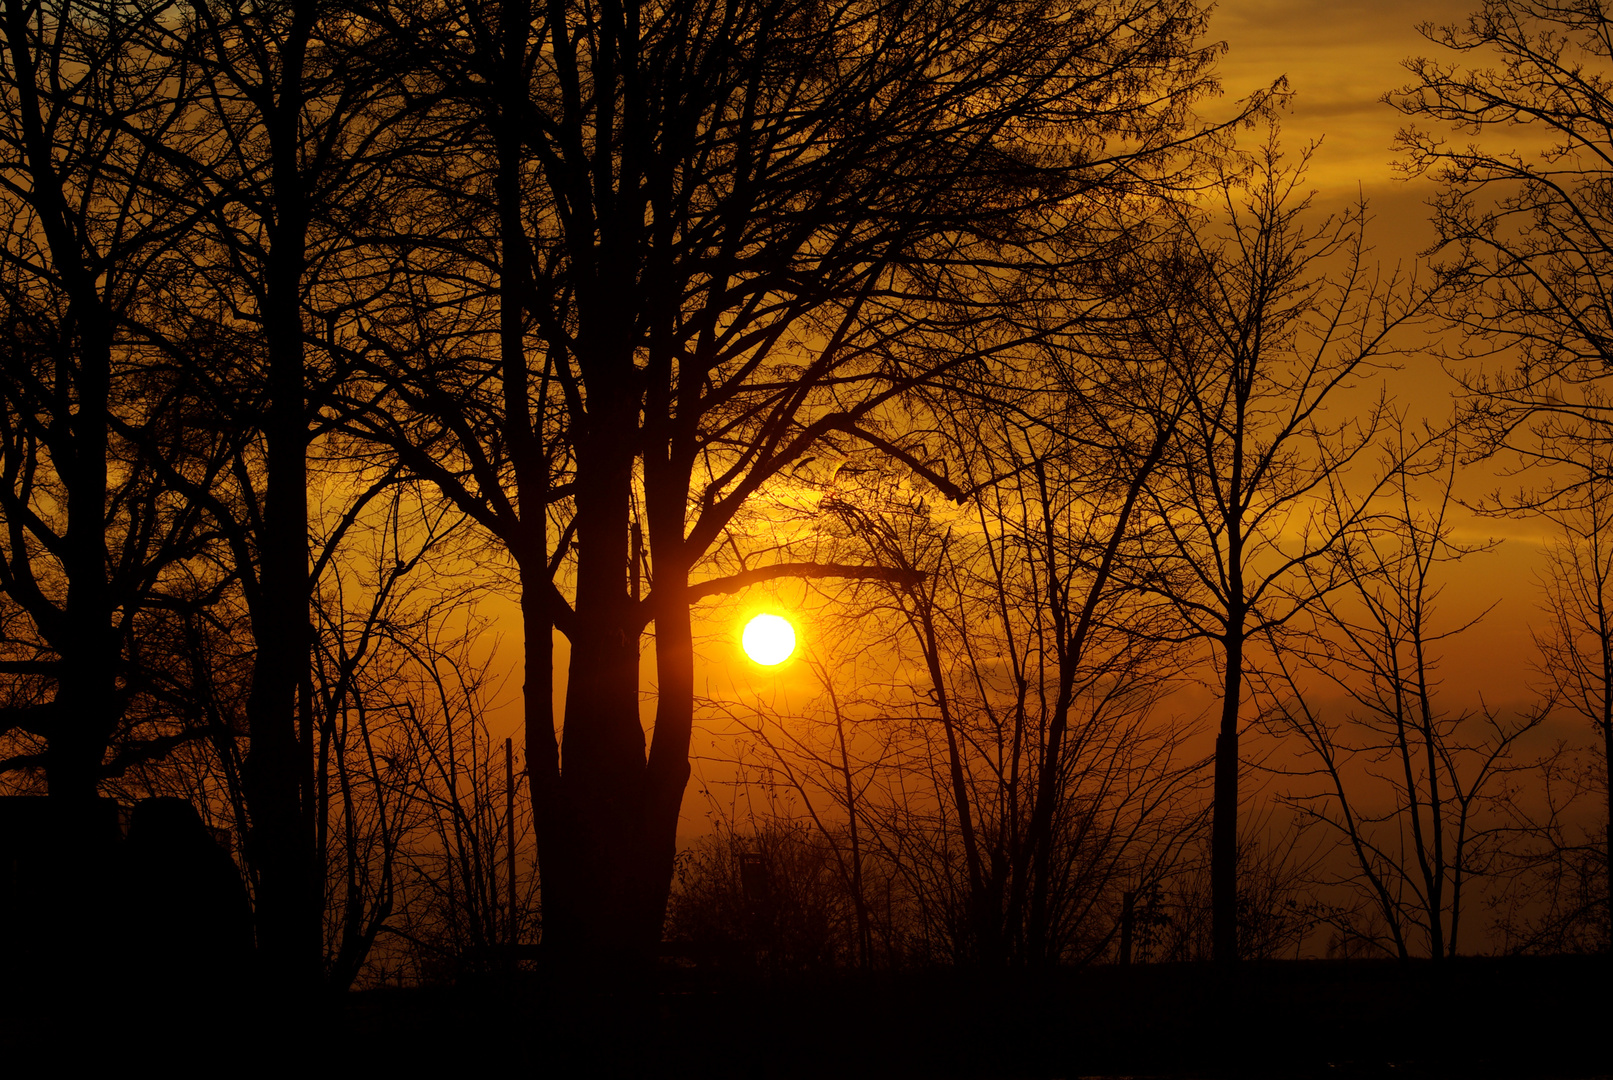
(1339, 59)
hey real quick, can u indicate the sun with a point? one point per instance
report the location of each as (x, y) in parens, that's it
(769, 639)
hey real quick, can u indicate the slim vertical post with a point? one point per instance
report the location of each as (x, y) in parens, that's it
(509, 828)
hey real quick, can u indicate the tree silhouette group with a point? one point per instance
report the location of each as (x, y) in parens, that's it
(330, 325)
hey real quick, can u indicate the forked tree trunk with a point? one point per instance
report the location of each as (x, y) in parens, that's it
(592, 883)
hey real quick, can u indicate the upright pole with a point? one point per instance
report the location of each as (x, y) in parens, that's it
(509, 828)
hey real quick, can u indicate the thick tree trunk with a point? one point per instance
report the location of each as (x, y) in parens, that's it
(87, 695)
(667, 774)
(592, 886)
(1224, 827)
(1607, 837)
(609, 814)
(91, 658)
(81, 727)
(275, 773)
(272, 775)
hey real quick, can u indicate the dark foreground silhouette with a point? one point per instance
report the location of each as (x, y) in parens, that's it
(137, 951)
(1487, 1019)
(122, 933)
(186, 923)
(1475, 1019)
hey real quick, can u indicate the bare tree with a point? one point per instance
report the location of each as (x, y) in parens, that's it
(97, 551)
(824, 758)
(270, 169)
(1293, 318)
(1522, 217)
(726, 235)
(1007, 762)
(466, 894)
(398, 690)
(1523, 226)
(1576, 647)
(1418, 796)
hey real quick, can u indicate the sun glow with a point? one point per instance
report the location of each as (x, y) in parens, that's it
(769, 640)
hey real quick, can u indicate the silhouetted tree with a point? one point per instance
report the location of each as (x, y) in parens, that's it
(97, 550)
(1524, 229)
(274, 168)
(714, 238)
(1522, 216)
(1420, 796)
(446, 776)
(1292, 318)
(1576, 654)
(1003, 760)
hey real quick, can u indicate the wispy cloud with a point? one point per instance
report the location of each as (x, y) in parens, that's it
(1339, 59)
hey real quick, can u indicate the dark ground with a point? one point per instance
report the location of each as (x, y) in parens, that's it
(1476, 1017)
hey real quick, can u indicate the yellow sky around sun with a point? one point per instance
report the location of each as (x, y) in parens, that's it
(1339, 60)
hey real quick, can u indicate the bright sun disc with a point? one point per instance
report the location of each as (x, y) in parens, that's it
(768, 640)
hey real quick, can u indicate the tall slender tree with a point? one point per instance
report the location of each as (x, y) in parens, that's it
(1576, 648)
(1294, 320)
(1428, 818)
(1524, 234)
(286, 111)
